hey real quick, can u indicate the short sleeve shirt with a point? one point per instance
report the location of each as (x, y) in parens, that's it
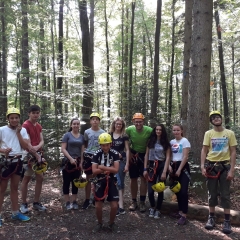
(74, 145)
(119, 143)
(177, 147)
(219, 144)
(157, 153)
(138, 140)
(106, 160)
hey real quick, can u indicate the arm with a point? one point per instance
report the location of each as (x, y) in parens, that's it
(184, 160)
(66, 154)
(167, 164)
(232, 162)
(204, 153)
(145, 173)
(81, 162)
(40, 144)
(113, 169)
(23, 142)
(127, 156)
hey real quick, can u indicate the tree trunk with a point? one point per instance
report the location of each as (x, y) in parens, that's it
(88, 79)
(186, 60)
(156, 65)
(200, 66)
(221, 65)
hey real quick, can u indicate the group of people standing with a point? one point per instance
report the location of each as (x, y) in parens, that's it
(105, 158)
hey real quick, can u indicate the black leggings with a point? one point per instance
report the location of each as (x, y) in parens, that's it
(157, 178)
(67, 179)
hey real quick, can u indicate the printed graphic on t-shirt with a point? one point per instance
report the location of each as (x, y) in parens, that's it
(219, 144)
(177, 148)
(93, 143)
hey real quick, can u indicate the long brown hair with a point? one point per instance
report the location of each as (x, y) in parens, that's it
(112, 128)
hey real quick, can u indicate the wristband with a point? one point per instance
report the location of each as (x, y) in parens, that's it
(145, 169)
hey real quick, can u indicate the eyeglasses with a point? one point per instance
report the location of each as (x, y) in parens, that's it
(141, 122)
(214, 117)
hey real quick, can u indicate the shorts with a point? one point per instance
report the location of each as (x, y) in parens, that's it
(87, 163)
(121, 175)
(220, 186)
(112, 194)
(9, 171)
(28, 168)
(136, 167)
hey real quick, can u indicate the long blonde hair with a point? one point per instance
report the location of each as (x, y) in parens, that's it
(112, 128)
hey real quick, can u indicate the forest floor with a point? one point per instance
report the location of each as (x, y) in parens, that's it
(57, 223)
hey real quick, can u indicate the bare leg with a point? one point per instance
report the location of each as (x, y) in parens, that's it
(38, 187)
(24, 188)
(98, 207)
(113, 211)
(14, 191)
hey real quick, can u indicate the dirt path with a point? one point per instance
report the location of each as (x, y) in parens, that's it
(57, 223)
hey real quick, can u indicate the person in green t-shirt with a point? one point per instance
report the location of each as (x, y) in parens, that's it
(138, 135)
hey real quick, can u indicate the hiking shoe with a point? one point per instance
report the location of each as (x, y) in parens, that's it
(120, 211)
(21, 217)
(157, 214)
(226, 228)
(133, 206)
(142, 207)
(68, 206)
(24, 208)
(75, 205)
(210, 223)
(151, 212)
(113, 227)
(176, 215)
(38, 206)
(182, 221)
(98, 228)
(86, 204)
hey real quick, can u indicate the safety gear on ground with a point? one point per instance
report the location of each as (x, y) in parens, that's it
(80, 182)
(95, 115)
(138, 115)
(158, 187)
(175, 187)
(104, 138)
(40, 167)
(12, 110)
(214, 113)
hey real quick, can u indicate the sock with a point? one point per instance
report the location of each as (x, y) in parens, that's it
(134, 199)
(227, 217)
(142, 198)
(211, 214)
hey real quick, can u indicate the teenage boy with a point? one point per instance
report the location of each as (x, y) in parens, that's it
(138, 136)
(34, 130)
(13, 140)
(91, 143)
(219, 152)
(105, 165)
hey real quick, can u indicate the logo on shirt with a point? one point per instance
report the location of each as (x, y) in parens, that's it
(177, 148)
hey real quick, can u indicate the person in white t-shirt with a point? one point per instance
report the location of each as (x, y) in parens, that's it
(180, 171)
(13, 140)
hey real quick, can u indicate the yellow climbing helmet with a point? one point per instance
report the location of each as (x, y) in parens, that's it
(138, 115)
(104, 138)
(175, 187)
(159, 187)
(13, 110)
(40, 167)
(80, 183)
(95, 115)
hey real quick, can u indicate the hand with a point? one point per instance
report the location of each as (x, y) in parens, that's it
(18, 128)
(178, 172)
(170, 169)
(125, 169)
(230, 175)
(163, 176)
(145, 174)
(204, 172)
(73, 162)
(35, 147)
(6, 151)
(120, 155)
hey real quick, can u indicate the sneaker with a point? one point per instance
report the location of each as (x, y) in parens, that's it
(113, 227)
(98, 228)
(142, 207)
(182, 221)
(176, 215)
(121, 211)
(226, 227)
(74, 205)
(118, 213)
(210, 223)
(24, 208)
(157, 214)
(133, 206)
(86, 204)
(21, 217)
(151, 212)
(38, 206)
(1, 222)
(68, 206)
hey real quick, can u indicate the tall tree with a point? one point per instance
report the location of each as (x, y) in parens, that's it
(186, 60)
(156, 63)
(199, 79)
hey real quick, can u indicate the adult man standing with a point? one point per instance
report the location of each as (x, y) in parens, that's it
(219, 151)
(138, 135)
(34, 130)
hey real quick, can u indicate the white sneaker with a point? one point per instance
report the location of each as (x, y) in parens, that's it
(157, 214)
(24, 208)
(151, 212)
(38, 206)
